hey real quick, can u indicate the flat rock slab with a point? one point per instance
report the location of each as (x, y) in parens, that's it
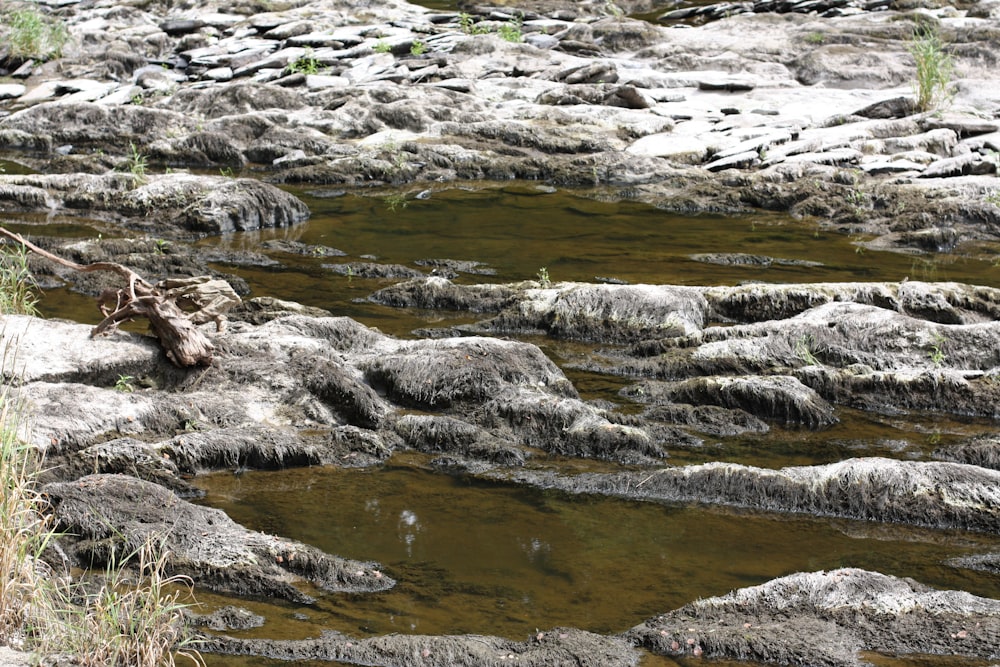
(117, 514)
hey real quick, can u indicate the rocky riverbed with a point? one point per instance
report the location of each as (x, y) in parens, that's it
(175, 121)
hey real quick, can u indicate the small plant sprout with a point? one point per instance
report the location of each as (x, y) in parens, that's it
(124, 384)
(937, 353)
(543, 277)
(161, 246)
(465, 23)
(382, 46)
(934, 69)
(418, 48)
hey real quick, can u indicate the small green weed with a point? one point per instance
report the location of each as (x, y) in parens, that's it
(937, 353)
(418, 48)
(382, 46)
(993, 198)
(124, 384)
(465, 23)
(935, 69)
(468, 25)
(543, 277)
(226, 172)
(396, 202)
(815, 38)
(305, 64)
(804, 350)
(511, 30)
(136, 164)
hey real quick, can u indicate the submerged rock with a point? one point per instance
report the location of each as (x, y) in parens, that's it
(558, 646)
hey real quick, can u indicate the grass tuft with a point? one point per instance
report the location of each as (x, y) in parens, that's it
(32, 35)
(17, 285)
(935, 69)
(128, 623)
(24, 529)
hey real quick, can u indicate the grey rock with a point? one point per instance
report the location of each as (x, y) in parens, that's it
(960, 165)
(963, 125)
(743, 160)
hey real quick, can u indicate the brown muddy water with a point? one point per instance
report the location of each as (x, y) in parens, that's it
(473, 556)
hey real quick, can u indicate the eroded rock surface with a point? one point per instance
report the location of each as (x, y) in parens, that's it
(827, 618)
(114, 515)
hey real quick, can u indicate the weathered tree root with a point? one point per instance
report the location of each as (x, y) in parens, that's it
(184, 344)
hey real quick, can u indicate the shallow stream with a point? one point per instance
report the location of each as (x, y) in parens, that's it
(491, 558)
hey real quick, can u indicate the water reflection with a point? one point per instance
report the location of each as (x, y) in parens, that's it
(409, 526)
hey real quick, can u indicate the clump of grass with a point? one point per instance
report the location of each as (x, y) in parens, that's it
(935, 69)
(122, 623)
(17, 285)
(24, 529)
(418, 48)
(31, 34)
(127, 623)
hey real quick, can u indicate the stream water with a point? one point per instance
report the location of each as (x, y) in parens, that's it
(486, 557)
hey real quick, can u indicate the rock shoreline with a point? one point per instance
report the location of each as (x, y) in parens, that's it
(789, 112)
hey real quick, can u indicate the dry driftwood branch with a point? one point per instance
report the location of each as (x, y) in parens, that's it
(181, 339)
